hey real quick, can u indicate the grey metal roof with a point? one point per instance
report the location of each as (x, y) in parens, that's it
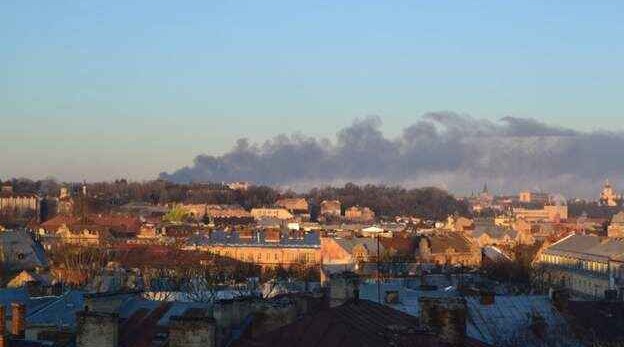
(61, 311)
(16, 242)
(349, 243)
(219, 237)
(508, 319)
(588, 246)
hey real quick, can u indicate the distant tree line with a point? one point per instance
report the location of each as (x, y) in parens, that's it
(429, 202)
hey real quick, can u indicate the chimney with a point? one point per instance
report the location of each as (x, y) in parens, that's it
(611, 295)
(392, 297)
(559, 298)
(487, 297)
(539, 327)
(3, 342)
(18, 322)
(342, 288)
(7, 188)
(192, 331)
(97, 329)
(446, 317)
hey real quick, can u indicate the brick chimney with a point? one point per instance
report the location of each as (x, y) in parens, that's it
(392, 297)
(97, 329)
(342, 288)
(18, 322)
(559, 298)
(192, 331)
(487, 297)
(446, 317)
(3, 342)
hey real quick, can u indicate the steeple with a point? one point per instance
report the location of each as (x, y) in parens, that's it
(485, 188)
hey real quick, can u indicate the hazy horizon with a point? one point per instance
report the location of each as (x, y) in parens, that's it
(101, 90)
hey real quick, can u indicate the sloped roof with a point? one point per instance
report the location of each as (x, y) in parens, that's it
(257, 239)
(509, 318)
(588, 246)
(349, 243)
(299, 204)
(356, 323)
(404, 244)
(440, 242)
(16, 242)
(61, 310)
(618, 218)
(598, 321)
(492, 230)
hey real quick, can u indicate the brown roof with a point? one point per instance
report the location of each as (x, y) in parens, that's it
(57, 221)
(293, 204)
(440, 242)
(120, 224)
(402, 243)
(218, 211)
(356, 323)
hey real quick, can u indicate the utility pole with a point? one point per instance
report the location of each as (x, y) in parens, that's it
(378, 272)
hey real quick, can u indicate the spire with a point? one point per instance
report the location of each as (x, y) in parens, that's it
(485, 188)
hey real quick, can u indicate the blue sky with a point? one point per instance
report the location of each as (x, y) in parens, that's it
(107, 89)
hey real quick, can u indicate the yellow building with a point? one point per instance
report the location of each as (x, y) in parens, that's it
(550, 213)
(586, 264)
(279, 213)
(18, 202)
(608, 197)
(260, 249)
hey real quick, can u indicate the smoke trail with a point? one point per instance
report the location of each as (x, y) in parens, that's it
(449, 150)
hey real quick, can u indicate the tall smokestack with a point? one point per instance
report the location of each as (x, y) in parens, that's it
(18, 322)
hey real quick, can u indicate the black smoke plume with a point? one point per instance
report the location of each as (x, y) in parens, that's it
(447, 150)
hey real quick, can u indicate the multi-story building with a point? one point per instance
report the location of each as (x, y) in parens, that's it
(585, 264)
(260, 248)
(348, 251)
(608, 196)
(549, 213)
(331, 208)
(616, 227)
(18, 203)
(296, 206)
(360, 214)
(279, 213)
(533, 197)
(65, 204)
(448, 248)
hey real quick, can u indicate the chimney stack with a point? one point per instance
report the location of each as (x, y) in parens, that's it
(445, 317)
(2, 328)
(97, 329)
(487, 297)
(18, 322)
(560, 298)
(192, 331)
(342, 288)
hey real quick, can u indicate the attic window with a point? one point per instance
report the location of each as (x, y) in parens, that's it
(21, 256)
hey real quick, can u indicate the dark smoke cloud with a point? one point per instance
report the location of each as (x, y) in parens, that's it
(449, 150)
